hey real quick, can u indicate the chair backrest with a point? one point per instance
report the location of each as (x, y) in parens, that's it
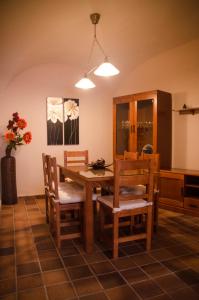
(130, 173)
(75, 157)
(130, 155)
(53, 178)
(45, 170)
(155, 157)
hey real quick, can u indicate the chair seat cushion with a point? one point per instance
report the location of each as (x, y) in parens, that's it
(124, 205)
(70, 192)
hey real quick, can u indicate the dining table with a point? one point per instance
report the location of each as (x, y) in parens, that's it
(90, 179)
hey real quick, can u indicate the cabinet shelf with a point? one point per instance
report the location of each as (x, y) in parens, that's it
(186, 111)
(195, 186)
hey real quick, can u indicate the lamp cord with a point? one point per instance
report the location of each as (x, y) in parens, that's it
(95, 40)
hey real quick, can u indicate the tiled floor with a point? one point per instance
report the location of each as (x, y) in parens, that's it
(32, 268)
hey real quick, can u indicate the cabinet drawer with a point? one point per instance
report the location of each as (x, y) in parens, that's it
(171, 202)
(191, 203)
(171, 175)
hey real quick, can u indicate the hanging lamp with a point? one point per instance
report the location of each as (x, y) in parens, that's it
(106, 69)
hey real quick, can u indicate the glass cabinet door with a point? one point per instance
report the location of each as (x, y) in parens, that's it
(122, 127)
(144, 123)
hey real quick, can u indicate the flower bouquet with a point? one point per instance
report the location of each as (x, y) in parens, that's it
(14, 135)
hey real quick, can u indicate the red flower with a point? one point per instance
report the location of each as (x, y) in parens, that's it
(21, 123)
(9, 136)
(27, 137)
(15, 117)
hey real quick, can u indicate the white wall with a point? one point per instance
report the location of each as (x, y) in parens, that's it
(176, 71)
(26, 94)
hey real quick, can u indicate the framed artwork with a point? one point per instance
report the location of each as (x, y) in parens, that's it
(62, 121)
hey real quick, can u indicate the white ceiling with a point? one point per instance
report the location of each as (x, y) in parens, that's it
(34, 32)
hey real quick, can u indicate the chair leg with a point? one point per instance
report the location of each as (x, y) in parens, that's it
(101, 222)
(51, 217)
(115, 235)
(58, 231)
(149, 228)
(47, 206)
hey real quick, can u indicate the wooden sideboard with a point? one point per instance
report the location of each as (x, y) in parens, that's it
(179, 191)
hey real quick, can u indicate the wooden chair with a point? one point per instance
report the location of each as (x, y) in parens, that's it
(128, 173)
(46, 183)
(75, 157)
(80, 157)
(155, 157)
(64, 197)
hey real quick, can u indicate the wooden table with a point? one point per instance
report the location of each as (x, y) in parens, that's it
(89, 179)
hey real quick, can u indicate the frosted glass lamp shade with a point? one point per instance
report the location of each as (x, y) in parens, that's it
(106, 69)
(85, 83)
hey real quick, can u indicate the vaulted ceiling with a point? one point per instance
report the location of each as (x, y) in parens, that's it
(34, 32)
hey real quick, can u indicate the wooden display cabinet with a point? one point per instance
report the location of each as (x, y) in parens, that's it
(140, 119)
(179, 191)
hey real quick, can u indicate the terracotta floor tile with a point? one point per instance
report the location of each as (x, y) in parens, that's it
(102, 267)
(175, 264)
(9, 297)
(7, 286)
(95, 257)
(52, 277)
(124, 263)
(45, 245)
(95, 276)
(67, 251)
(37, 293)
(62, 291)
(51, 264)
(7, 272)
(79, 272)
(162, 254)
(28, 268)
(87, 286)
(142, 259)
(147, 289)
(184, 294)
(74, 260)
(29, 282)
(26, 255)
(155, 270)
(97, 296)
(134, 275)
(111, 280)
(170, 282)
(189, 276)
(122, 293)
(47, 254)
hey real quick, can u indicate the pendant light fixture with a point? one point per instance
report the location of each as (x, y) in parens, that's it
(106, 69)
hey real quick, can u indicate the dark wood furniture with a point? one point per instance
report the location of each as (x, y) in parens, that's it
(179, 190)
(129, 173)
(89, 179)
(140, 119)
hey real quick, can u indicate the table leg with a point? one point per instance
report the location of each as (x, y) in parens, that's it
(88, 219)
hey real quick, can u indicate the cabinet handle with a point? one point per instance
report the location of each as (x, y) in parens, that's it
(182, 191)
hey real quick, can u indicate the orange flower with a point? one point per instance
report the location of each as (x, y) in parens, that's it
(9, 136)
(21, 123)
(27, 137)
